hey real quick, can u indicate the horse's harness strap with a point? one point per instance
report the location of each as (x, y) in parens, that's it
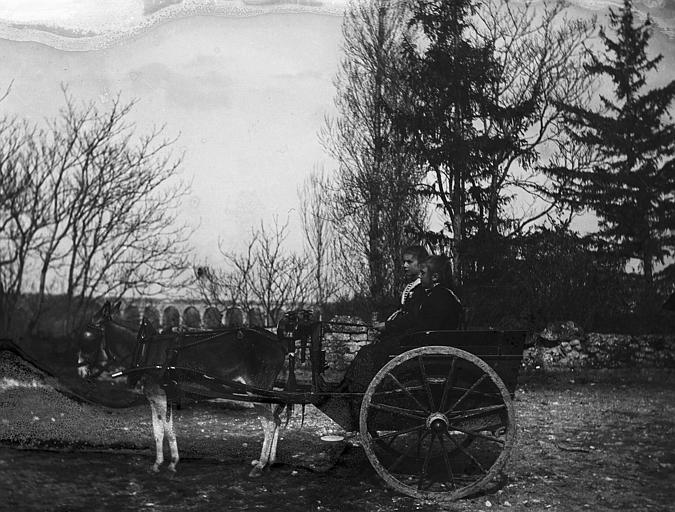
(171, 355)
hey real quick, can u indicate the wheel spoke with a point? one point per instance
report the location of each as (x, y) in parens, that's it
(477, 412)
(397, 433)
(480, 393)
(405, 390)
(467, 393)
(410, 413)
(425, 381)
(427, 458)
(478, 434)
(448, 383)
(402, 457)
(446, 461)
(461, 448)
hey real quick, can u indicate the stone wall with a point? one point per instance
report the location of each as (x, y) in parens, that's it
(559, 346)
(343, 337)
(596, 350)
(342, 342)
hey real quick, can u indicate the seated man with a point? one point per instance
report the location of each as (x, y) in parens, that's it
(438, 309)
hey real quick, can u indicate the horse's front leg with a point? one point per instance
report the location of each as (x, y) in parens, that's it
(82, 368)
(158, 408)
(275, 439)
(171, 437)
(269, 427)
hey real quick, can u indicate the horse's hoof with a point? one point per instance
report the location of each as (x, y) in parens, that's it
(254, 462)
(155, 468)
(172, 467)
(256, 472)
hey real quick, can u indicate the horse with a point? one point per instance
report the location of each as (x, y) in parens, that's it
(253, 357)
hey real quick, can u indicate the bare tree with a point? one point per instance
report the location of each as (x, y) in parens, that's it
(373, 196)
(21, 215)
(320, 237)
(264, 275)
(97, 210)
(540, 51)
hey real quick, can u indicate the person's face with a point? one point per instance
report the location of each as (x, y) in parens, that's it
(426, 277)
(411, 267)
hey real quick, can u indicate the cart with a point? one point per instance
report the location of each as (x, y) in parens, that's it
(436, 419)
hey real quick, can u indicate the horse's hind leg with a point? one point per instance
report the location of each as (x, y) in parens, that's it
(158, 407)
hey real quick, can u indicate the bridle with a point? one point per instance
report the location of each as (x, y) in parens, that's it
(100, 364)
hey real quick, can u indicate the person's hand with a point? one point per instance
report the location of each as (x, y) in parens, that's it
(379, 326)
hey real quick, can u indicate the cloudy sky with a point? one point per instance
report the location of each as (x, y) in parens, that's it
(246, 84)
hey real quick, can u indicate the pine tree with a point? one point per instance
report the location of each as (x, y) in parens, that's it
(449, 73)
(631, 189)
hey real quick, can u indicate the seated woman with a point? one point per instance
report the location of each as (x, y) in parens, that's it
(438, 309)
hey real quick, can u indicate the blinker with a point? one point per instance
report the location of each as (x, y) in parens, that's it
(89, 335)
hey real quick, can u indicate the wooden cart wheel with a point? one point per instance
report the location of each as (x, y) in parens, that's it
(437, 422)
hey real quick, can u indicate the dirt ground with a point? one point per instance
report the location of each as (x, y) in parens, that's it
(599, 440)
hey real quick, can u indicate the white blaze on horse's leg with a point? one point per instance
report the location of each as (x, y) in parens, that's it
(104, 357)
(82, 371)
(157, 399)
(275, 440)
(267, 425)
(171, 436)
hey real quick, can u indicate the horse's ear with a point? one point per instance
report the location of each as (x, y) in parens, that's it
(106, 307)
(116, 307)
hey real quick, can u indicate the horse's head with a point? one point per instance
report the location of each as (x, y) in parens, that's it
(92, 356)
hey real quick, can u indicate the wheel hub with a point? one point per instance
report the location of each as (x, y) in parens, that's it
(437, 422)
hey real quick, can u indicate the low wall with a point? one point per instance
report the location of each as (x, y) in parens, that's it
(343, 337)
(342, 342)
(595, 350)
(561, 345)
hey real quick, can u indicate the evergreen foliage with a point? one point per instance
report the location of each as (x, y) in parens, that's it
(450, 72)
(484, 77)
(632, 187)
